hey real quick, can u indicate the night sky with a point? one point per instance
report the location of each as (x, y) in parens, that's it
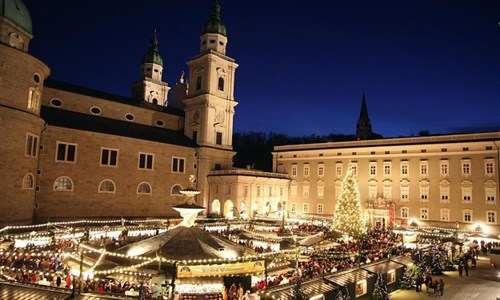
(304, 65)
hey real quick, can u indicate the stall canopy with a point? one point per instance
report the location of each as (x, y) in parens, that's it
(310, 288)
(312, 240)
(383, 267)
(348, 277)
(403, 260)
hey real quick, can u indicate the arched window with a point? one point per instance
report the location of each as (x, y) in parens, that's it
(176, 190)
(221, 84)
(198, 83)
(144, 188)
(63, 183)
(28, 182)
(106, 186)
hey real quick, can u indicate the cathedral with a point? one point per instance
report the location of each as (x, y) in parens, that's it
(71, 152)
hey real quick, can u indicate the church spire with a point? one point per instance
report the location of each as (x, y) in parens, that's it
(364, 126)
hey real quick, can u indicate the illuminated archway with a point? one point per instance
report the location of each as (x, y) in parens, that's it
(216, 207)
(243, 210)
(228, 209)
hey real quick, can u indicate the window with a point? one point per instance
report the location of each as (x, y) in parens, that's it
(319, 208)
(95, 110)
(361, 288)
(281, 168)
(306, 170)
(66, 152)
(281, 191)
(405, 212)
(466, 165)
(28, 182)
(159, 123)
(405, 190)
(144, 188)
(294, 170)
(33, 98)
(444, 191)
(31, 144)
(424, 214)
(467, 215)
(423, 168)
(489, 167)
(106, 186)
(354, 169)
(146, 161)
(245, 190)
(63, 183)
(387, 192)
(373, 168)
(221, 84)
(305, 190)
(490, 190)
(424, 191)
(445, 214)
(466, 191)
(293, 188)
(176, 190)
(129, 117)
(270, 191)
(305, 208)
(293, 207)
(109, 157)
(404, 168)
(372, 189)
(387, 168)
(444, 168)
(321, 170)
(491, 217)
(338, 169)
(178, 164)
(218, 138)
(320, 187)
(56, 102)
(258, 191)
(391, 276)
(198, 83)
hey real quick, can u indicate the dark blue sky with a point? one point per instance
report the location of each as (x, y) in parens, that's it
(423, 64)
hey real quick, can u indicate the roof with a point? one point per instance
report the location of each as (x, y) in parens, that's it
(310, 288)
(382, 267)
(214, 23)
(153, 55)
(79, 121)
(77, 89)
(17, 13)
(350, 276)
(404, 260)
(13, 290)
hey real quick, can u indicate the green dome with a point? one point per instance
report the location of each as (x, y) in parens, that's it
(17, 13)
(152, 56)
(214, 24)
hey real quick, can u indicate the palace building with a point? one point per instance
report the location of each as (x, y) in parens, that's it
(71, 152)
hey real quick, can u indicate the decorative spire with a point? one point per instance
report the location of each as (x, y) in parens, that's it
(214, 23)
(364, 126)
(153, 54)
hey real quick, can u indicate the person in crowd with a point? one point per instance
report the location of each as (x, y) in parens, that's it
(460, 270)
(441, 287)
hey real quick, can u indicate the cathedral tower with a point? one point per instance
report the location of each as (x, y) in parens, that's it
(209, 105)
(151, 88)
(21, 85)
(364, 126)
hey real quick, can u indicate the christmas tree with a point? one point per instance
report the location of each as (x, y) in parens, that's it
(347, 217)
(380, 291)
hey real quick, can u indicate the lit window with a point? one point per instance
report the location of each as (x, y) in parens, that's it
(178, 164)
(31, 145)
(373, 168)
(445, 214)
(66, 152)
(306, 170)
(444, 191)
(387, 189)
(294, 170)
(106, 186)
(372, 189)
(490, 190)
(404, 168)
(423, 168)
(33, 98)
(338, 169)
(144, 188)
(109, 157)
(146, 161)
(28, 182)
(405, 190)
(293, 207)
(387, 168)
(489, 167)
(305, 208)
(354, 169)
(466, 191)
(466, 167)
(321, 170)
(424, 191)
(63, 183)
